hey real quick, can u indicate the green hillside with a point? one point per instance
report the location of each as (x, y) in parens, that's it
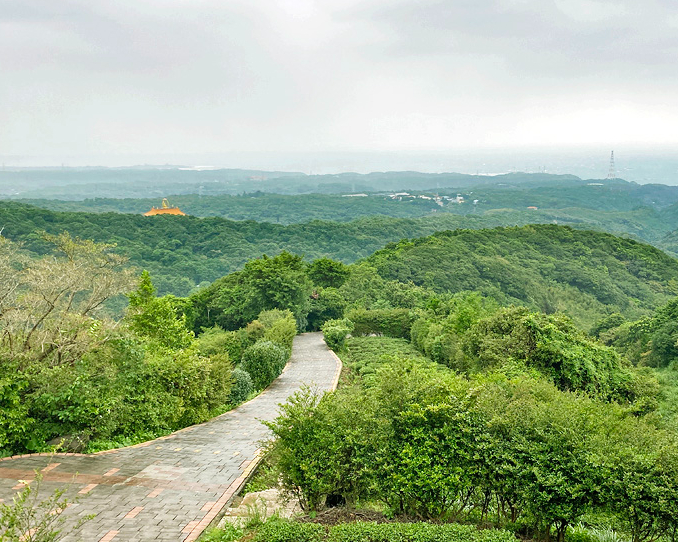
(183, 252)
(551, 268)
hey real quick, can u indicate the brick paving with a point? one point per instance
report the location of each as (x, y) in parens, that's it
(171, 488)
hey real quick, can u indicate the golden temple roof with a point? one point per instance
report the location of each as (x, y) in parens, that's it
(165, 210)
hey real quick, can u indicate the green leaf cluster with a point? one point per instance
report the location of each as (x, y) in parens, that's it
(336, 331)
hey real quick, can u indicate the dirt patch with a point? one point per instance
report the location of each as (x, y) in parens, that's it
(262, 504)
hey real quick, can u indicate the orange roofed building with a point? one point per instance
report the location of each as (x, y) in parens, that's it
(164, 210)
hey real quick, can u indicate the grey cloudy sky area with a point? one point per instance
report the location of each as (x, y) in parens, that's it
(108, 79)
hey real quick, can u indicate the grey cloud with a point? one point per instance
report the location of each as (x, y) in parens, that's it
(532, 33)
(166, 75)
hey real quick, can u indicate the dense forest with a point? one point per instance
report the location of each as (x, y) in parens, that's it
(551, 268)
(608, 196)
(184, 252)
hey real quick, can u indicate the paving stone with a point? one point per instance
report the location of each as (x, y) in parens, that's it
(158, 490)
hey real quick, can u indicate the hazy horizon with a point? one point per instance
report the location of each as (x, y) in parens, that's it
(639, 165)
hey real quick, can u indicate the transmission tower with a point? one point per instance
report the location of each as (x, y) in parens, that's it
(612, 173)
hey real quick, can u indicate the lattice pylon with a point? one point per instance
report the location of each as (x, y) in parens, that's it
(612, 173)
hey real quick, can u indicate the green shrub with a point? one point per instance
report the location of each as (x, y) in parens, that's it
(16, 425)
(322, 446)
(264, 361)
(579, 533)
(215, 341)
(227, 533)
(255, 331)
(335, 332)
(201, 384)
(280, 330)
(242, 386)
(389, 322)
(281, 530)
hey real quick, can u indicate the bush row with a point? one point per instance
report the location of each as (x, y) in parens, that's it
(277, 530)
(259, 351)
(117, 394)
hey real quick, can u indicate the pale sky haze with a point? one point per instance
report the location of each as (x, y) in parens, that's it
(98, 78)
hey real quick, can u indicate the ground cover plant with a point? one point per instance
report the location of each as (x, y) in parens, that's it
(280, 530)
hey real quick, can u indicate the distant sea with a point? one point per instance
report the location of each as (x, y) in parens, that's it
(648, 165)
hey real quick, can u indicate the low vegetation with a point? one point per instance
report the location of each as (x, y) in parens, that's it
(73, 379)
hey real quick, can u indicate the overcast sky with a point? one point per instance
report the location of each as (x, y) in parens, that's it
(83, 78)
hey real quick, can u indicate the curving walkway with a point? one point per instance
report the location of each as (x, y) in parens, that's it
(173, 487)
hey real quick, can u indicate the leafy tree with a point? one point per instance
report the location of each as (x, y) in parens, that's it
(51, 309)
(263, 284)
(156, 317)
(278, 283)
(326, 304)
(327, 273)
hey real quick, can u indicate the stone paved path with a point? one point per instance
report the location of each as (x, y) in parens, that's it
(173, 487)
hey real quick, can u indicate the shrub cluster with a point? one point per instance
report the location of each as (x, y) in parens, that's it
(217, 341)
(242, 386)
(389, 322)
(335, 332)
(117, 394)
(279, 327)
(472, 336)
(434, 445)
(264, 361)
(259, 351)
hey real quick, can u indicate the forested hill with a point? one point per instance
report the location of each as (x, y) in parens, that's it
(552, 268)
(183, 252)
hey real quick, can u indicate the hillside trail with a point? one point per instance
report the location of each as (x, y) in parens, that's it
(173, 487)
